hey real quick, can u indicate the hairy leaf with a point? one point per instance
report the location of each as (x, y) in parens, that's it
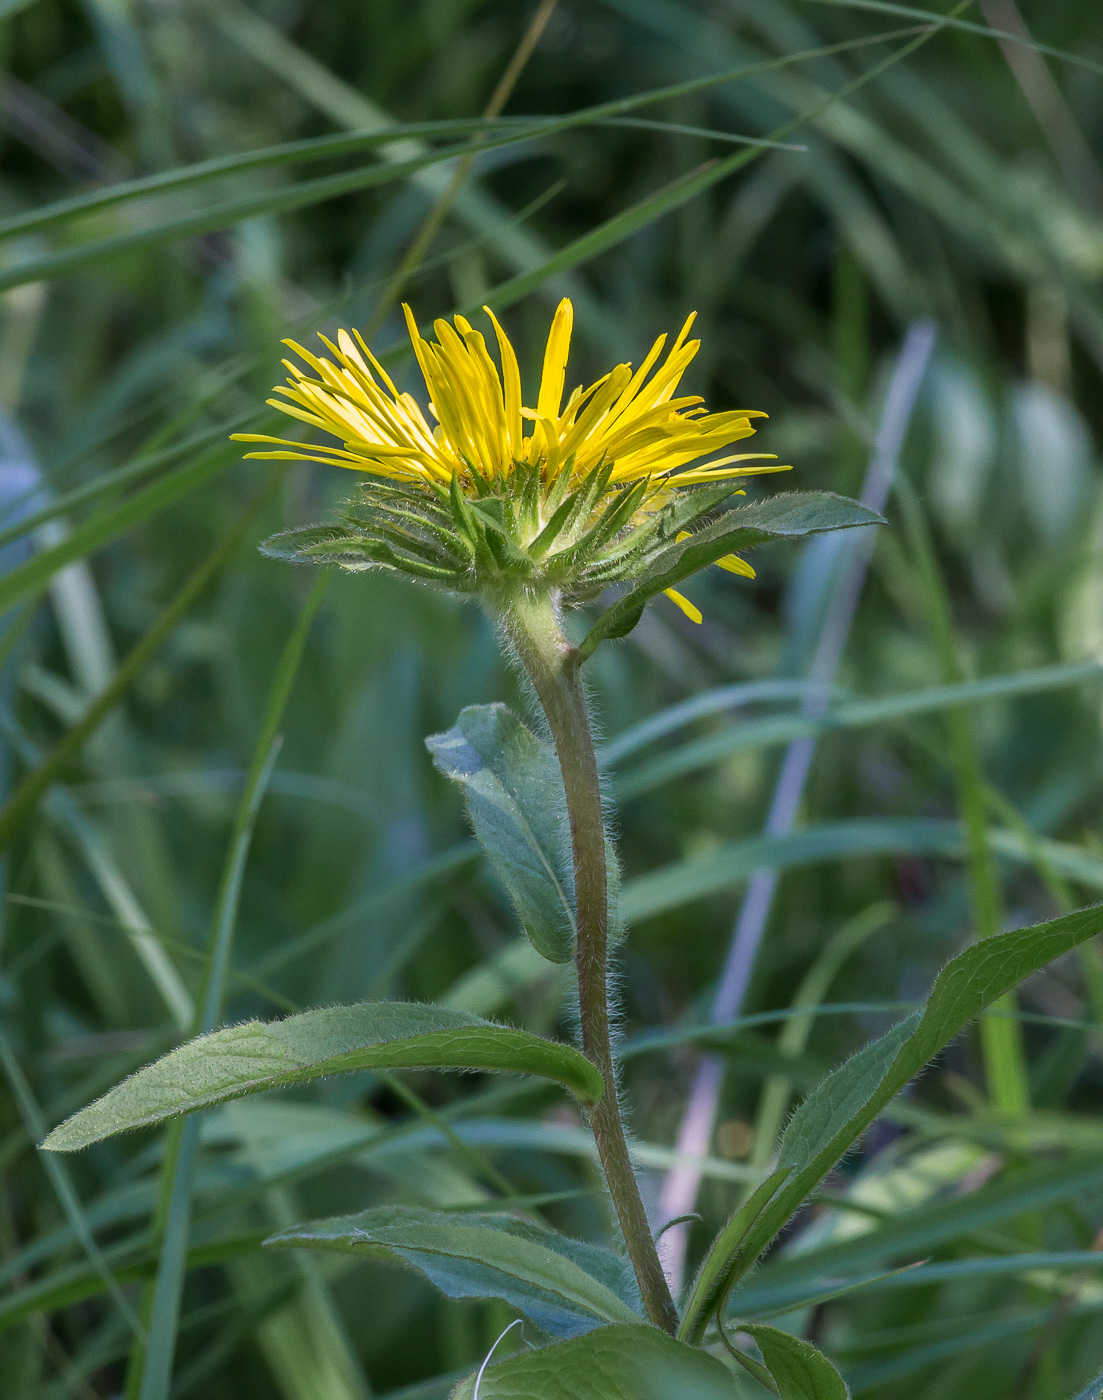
(837, 1113)
(515, 799)
(564, 1286)
(266, 1055)
(613, 1363)
(788, 516)
(723, 1256)
(799, 1371)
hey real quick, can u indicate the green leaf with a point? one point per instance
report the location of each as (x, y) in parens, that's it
(716, 1271)
(613, 1363)
(754, 1368)
(799, 1371)
(788, 516)
(837, 1113)
(516, 803)
(267, 1055)
(564, 1286)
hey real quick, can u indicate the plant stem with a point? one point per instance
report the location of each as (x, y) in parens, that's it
(552, 664)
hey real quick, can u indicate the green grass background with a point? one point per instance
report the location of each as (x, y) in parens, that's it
(941, 173)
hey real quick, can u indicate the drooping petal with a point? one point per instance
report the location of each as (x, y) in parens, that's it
(735, 565)
(694, 614)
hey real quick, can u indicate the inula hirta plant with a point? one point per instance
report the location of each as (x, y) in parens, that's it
(541, 508)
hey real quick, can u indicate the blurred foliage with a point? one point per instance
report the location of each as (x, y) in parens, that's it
(960, 183)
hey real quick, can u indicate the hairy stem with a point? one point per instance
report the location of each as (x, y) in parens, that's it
(553, 666)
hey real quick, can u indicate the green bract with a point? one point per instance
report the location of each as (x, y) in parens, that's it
(589, 539)
(517, 531)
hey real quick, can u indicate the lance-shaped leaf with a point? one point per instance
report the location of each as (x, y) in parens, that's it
(835, 1115)
(515, 800)
(268, 1055)
(787, 516)
(564, 1286)
(613, 1363)
(721, 1262)
(796, 1369)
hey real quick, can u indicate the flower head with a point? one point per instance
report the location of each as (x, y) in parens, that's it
(572, 495)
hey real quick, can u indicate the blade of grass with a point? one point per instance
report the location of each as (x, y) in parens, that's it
(404, 136)
(309, 192)
(1004, 1058)
(682, 882)
(684, 188)
(311, 149)
(107, 483)
(151, 952)
(1091, 958)
(777, 729)
(344, 104)
(419, 247)
(106, 524)
(26, 797)
(970, 1343)
(456, 858)
(150, 1373)
(299, 195)
(10, 8)
(63, 1187)
(986, 31)
(710, 702)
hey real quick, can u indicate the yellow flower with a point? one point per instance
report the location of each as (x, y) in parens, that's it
(629, 421)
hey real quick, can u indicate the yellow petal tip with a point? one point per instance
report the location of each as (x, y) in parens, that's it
(694, 614)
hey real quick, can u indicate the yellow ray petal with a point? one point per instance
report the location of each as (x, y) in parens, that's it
(680, 339)
(694, 614)
(544, 442)
(636, 421)
(555, 361)
(511, 384)
(498, 424)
